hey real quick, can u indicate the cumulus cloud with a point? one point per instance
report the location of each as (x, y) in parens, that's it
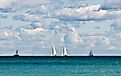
(15, 5)
(5, 3)
(72, 36)
(28, 18)
(34, 24)
(7, 6)
(9, 35)
(95, 41)
(112, 4)
(88, 13)
(116, 25)
(33, 31)
(3, 16)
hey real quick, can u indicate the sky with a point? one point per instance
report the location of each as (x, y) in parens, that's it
(34, 26)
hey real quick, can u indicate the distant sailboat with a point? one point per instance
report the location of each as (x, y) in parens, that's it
(91, 53)
(16, 53)
(53, 51)
(64, 52)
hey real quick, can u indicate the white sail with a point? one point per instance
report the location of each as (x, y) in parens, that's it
(53, 52)
(64, 52)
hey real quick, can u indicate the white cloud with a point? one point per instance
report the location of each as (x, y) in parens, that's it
(15, 5)
(112, 4)
(9, 35)
(5, 3)
(88, 13)
(28, 18)
(42, 23)
(116, 25)
(33, 31)
(72, 36)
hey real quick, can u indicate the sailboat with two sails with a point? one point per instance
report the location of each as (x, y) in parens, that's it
(53, 51)
(64, 52)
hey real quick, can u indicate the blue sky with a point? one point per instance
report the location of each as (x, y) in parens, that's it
(33, 26)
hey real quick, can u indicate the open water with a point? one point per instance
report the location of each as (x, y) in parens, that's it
(60, 66)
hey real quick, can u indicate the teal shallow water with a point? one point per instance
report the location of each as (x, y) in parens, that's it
(60, 66)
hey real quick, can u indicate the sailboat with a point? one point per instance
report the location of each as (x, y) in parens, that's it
(53, 51)
(16, 53)
(64, 52)
(91, 53)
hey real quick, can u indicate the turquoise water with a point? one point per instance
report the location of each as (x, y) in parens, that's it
(60, 66)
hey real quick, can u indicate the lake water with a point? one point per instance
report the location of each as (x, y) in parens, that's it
(60, 66)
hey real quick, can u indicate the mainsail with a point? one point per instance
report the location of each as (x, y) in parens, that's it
(16, 53)
(53, 51)
(64, 52)
(91, 53)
